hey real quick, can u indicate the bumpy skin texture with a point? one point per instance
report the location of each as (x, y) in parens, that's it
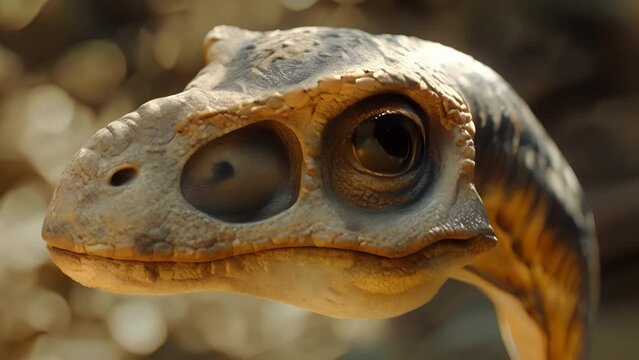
(341, 250)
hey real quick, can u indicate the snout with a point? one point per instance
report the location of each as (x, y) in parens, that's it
(95, 193)
(56, 236)
(56, 228)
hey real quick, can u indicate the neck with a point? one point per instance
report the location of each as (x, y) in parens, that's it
(537, 282)
(523, 337)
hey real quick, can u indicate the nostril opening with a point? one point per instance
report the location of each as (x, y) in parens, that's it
(123, 176)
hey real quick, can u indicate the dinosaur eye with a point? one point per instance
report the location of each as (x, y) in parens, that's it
(376, 153)
(386, 143)
(247, 175)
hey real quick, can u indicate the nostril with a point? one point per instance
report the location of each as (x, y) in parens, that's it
(123, 176)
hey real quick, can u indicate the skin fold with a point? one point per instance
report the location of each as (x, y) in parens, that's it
(251, 181)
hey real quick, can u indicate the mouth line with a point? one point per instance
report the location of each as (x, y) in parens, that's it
(335, 282)
(477, 244)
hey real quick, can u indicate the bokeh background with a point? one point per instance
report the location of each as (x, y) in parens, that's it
(69, 67)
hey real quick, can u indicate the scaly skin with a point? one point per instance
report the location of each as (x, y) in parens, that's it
(495, 204)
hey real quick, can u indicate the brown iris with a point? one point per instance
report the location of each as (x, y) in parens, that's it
(387, 143)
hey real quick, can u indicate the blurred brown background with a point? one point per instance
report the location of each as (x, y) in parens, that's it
(68, 67)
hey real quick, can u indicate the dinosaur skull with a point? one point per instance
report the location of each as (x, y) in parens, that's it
(333, 172)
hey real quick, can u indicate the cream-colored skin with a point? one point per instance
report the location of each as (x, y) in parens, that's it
(323, 253)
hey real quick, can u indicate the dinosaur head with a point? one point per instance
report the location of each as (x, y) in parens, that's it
(325, 168)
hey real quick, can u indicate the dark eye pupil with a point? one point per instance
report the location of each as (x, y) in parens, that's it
(222, 170)
(393, 137)
(385, 144)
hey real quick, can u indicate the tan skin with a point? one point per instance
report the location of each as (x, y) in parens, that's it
(344, 173)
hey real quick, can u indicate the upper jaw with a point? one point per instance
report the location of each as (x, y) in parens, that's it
(182, 235)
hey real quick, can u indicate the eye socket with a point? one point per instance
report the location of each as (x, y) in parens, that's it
(247, 175)
(386, 143)
(375, 155)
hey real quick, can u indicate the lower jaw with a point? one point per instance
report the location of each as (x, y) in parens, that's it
(334, 282)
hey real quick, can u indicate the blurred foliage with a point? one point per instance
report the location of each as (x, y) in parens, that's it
(69, 67)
